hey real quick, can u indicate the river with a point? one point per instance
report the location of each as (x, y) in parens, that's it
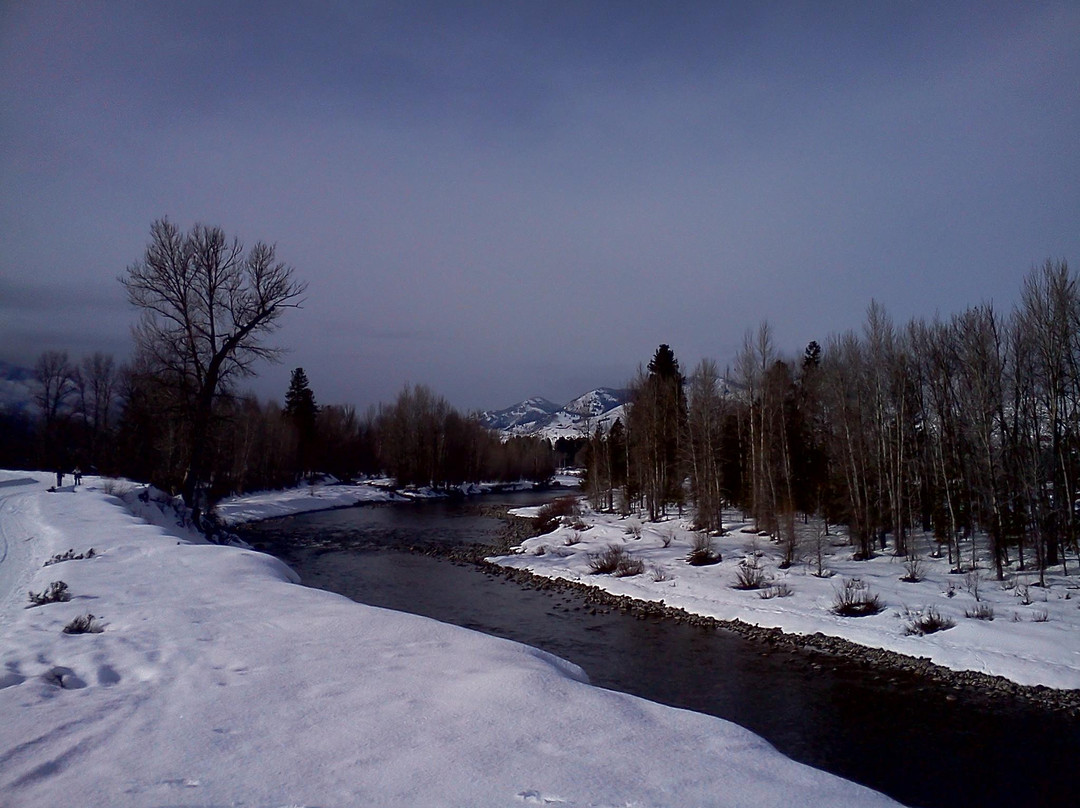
(922, 744)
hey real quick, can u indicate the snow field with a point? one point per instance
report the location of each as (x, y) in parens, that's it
(1034, 638)
(218, 681)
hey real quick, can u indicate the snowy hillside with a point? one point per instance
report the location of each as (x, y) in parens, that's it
(577, 418)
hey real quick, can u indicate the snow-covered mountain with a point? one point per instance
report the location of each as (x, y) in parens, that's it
(575, 419)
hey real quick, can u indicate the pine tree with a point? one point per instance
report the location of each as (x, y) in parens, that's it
(302, 411)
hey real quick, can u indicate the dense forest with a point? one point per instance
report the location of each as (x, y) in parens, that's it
(952, 427)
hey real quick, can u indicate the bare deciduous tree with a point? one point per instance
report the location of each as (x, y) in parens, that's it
(206, 310)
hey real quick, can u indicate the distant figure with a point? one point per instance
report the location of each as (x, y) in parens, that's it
(77, 474)
(59, 478)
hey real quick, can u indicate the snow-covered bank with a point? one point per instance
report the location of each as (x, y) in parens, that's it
(1033, 638)
(217, 681)
(327, 496)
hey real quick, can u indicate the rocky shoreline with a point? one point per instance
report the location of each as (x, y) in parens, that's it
(969, 684)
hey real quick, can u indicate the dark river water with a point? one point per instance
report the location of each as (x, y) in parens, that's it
(923, 745)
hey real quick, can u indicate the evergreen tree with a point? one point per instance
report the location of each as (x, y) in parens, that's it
(302, 411)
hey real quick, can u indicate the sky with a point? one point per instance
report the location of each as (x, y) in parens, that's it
(508, 199)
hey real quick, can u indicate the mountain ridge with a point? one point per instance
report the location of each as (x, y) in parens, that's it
(578, 418)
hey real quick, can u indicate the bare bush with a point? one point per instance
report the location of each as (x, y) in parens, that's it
(1040, 616)
(777, 590)
(658, 573)
(56, 593)
(550, 516)
(615, 561)
(913, 568)
(634, 530)
(749, 575)
(928, 622)
(854, 599)
(702, 553)
(629, 566)
(981, 611)
(972, 580)
(819, 546)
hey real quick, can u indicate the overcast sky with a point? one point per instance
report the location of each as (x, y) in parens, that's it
(510, 199)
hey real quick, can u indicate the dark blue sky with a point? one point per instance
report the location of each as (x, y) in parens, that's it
(525, 198)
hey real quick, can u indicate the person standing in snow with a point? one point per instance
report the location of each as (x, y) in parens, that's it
(59, 478)
(77, 474)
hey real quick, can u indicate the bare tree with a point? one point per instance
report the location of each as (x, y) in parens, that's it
(55, 384)
(703, 444)
(206, 310)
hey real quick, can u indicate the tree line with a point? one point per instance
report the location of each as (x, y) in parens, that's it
(174, 415)
(950, 427)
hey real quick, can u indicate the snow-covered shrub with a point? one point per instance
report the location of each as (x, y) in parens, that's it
(70, 555)
(750, 574)
(981, 611)
(702, 553)
(83, 624)
(634, 530)
(629, 566)
(854, 599)
(658, 573)
(928, 622)
(1040, 616)
(56, 593)
(777, 590)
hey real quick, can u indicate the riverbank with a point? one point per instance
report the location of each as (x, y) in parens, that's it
(1036, 660)
(203, 674)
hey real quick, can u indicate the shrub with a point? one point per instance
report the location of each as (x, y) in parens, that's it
(702, 553)
(749, 575)
(629, 566)
(779, 590)
(634, 529)
(854, 599)
(982, 611)
(928, 622)
(70, 555)
(573, 538)
(658, 573)
(56, 593)
(1040, 616)
(615, 561)
(550, 516)
(913, 568)
(606, 561)
(83, 624)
